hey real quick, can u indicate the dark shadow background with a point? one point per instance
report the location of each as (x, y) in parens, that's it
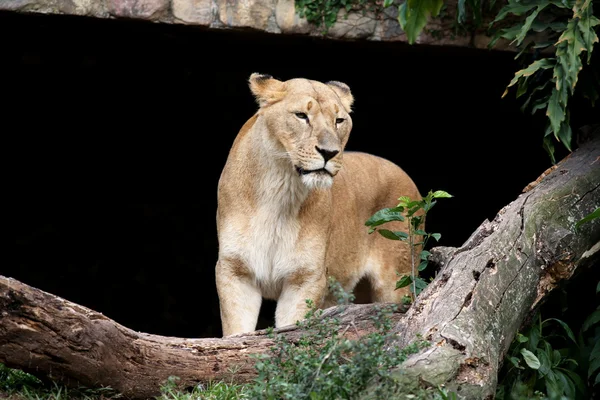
(98, 113)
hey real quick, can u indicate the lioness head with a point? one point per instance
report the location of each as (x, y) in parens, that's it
(310, 123)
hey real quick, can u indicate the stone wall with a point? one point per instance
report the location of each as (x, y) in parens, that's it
(273, 16)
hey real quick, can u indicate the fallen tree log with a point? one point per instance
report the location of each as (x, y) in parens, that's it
(46, 335)
(469, 313)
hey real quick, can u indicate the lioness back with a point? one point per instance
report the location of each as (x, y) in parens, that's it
(292, 207)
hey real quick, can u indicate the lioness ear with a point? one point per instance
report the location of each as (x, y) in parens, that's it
(343, 91)
(266, 89)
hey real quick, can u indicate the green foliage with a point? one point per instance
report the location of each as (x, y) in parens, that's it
(590, 340)
(324, 13)
(548, 361)
(20, 385)
(415, 211)
(534, 368)
(324, 364)
(14, 380)
(555, 65)
(550, 80)
(213, 391)
(413, 15)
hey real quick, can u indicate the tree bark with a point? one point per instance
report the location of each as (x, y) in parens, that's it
(469, 313)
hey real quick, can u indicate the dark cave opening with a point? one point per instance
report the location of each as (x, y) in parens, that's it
(103, 111)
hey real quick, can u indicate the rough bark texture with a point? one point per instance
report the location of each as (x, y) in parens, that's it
(469, 313)
(46, 335)
(486, 288)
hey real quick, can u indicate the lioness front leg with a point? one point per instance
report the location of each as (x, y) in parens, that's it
(291, 305)
(239, 297)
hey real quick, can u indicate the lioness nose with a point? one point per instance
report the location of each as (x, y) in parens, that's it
(327, 154)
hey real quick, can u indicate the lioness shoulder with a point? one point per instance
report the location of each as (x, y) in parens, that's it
(292, 206)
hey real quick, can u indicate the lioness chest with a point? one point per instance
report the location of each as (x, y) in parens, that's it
(281, 238)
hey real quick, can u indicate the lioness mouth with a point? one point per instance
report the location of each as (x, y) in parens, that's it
(303, 171)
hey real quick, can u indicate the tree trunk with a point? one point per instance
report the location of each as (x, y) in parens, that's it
(469, 313)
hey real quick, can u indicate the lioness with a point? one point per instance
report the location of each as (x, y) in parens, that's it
(292, 207)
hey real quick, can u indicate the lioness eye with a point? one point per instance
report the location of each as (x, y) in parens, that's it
(301, 115)
(339, 120)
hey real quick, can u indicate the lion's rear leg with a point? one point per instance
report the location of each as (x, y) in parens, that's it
(383, 277)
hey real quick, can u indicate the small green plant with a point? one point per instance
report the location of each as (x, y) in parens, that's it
(415, 211)
(324, 363)
(534, 368)
(20, 385)
(213, 391)
(589, 340)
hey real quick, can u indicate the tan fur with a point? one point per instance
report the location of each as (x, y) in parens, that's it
(282, 229)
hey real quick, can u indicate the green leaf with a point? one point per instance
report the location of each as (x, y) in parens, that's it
(423, 265)
(404, 281)
(402, 13)
(553, 387)
(565, 327)
(420, 284)
(540, 26)
(565, 134)
(594, 366)
(530, 358)
(591, 320)
(533, 92)
(568, 49)
(527, 25)
(429, 205)
(420, 232)
(436, 236)
(403, 201)
(385, 215)
(542, 45)
(521, 338)
(534, 336)
(593, 215)
(544, 362)
(435, 7)
(387, 3)
(555, 112)
(589, 37)
(413, 205)
(505, 33)
(557, 358)
(440, 194)
(549, 147)
(581, 386)
(415, 16)
(540, 104)
(393, 235)
(544, 63)
(425, 255)
(515, 361)
(567, 385)
(512, 8)
(523, 86)
(416, 221)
